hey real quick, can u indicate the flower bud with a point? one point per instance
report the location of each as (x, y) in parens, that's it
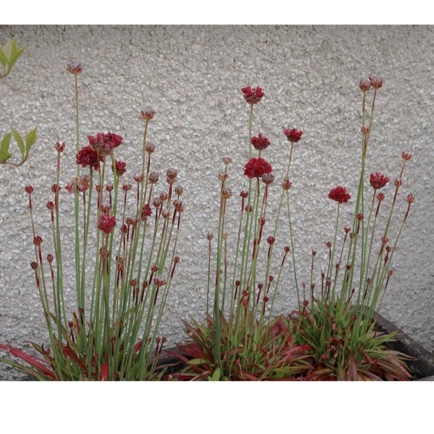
(147, 114)
(150, 148)
(267, 178)
(179, 190)
(376, 82)
(406, 156)
(154, 177)
(410, 199)
(286, 184)
(74, 68)
(226, 193)
(364, 85)
(60, 147)
(138, 178)
(171, 175)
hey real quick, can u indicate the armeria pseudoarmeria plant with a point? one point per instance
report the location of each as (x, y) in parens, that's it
(241, 339)
(337, 317)
(331, 335)
(125, 258)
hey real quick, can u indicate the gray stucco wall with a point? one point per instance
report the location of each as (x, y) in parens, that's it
(192, 76)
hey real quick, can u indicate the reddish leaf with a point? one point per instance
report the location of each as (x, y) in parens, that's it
(138, 346)
(68, 351)
(352, 373)
(104, 372)
(31, 360)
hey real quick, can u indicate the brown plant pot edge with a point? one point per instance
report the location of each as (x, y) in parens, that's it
(422, 366)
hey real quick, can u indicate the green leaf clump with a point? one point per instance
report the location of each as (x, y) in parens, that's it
(24, 145)
(9, 54)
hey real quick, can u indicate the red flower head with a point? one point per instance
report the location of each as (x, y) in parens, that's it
(106, 223)
(252, 95)
(121, 167)
(105, 143)
(87, 156)
(256, 167)
(146, 211)
(293, 135)
(260, 142)
(339, 194)
(37, 241)
(378, 180)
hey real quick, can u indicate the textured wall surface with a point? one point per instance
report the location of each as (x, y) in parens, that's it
(192, 76)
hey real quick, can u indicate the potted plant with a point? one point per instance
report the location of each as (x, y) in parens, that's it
(335, 332)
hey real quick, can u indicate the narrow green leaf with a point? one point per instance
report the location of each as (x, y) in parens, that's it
(4, 156)
(14, 60)
(216, 376)
(3, 59)
(4, 145)
(7, 49)
(14, 47)
(30, 139)
(197, 361)
(11, 53)
(15, 56)
(19, 141)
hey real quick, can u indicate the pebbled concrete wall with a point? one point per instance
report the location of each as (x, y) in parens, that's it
(192, 76)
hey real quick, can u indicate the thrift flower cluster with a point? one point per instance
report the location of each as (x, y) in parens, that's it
(339, 194)
(252, 95)
(257, 167)
(99, 147)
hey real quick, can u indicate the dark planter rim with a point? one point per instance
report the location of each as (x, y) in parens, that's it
(423, 363)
